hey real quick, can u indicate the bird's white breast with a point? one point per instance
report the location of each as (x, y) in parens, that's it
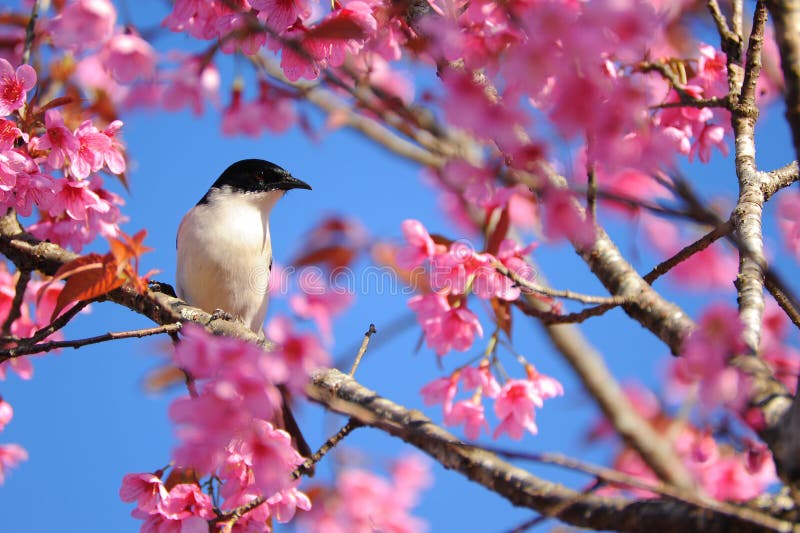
(225, 253)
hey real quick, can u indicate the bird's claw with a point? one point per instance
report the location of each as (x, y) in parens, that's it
(220, 314)
(164, 288)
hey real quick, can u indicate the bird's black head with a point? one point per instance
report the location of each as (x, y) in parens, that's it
(256, 175)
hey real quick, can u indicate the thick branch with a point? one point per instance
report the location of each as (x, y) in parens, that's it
(341, 393)
(748, 211)
(786, 19)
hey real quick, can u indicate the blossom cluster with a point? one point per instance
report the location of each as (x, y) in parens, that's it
(227, 428)
(515, 402)
(455, 271)
(363, 501)
(736, 471)
(53, 168)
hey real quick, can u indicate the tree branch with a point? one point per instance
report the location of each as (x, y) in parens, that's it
(786, 19)
(341, 393)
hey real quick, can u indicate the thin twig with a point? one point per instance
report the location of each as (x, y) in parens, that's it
(16, 305)
(688, 251)
(29, 349)
(351, 425)
(555, 293)
(363, 349)
(57, 324)
(29, 32)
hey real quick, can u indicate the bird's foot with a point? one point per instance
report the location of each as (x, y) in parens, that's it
(220, 314)
(164, 288)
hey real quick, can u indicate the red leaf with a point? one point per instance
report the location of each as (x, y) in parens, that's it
(86, 277)
(499, 233)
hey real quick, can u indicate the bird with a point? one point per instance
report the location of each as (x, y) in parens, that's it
(225, 251)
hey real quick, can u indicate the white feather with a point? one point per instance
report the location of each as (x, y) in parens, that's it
(225, 253)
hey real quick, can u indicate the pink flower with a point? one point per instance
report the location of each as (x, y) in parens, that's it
(470, 413)
(61, 142)
(562, 218)
(480, 377)
(113, 155)
(236, 33)
(286, 502)
(10, 456)
(9, 133)
(128, 57)
(710, 136)
(419, 247)
(91, 149)
(273, 457)
(516, 403)
(280, 14)
(789, 220)
(705, 357)
(445, 327)
(320, 303)
(83, 24)
(302, 353)
(75, 199)
(14, 86)
(364, 501)
(441, 391)
(195, 16)
(186, 500)
(146, 490)
(6, 413)
(192, 83)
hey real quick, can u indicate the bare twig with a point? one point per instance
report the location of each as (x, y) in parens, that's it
(30, 32)
(363, 348)
(327, 446)
(555, 293)
(28, 349)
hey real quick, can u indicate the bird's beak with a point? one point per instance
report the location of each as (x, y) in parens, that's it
(290, 182)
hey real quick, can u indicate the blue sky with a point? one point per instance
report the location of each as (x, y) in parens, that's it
(86, 421)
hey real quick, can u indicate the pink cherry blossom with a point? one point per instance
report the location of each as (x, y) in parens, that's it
(320, 303)
(419, 247)
(445, 327)
(562, 218)
(518, 399)
(273, 457)
(146, 490)
(470, 413)
(14, 86)
(239, 31)
(10, 456)
(705, 357)
(195, 17)
(9, 133)
(441, 391)
(278, 15)
(6, 413)
(301, 352)
(91, 149)
(191, 84)
(83, 24)
(128, 57)
(61, 142)
(284, 504)
(480, 377)
(364, 501)
(789, 220)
